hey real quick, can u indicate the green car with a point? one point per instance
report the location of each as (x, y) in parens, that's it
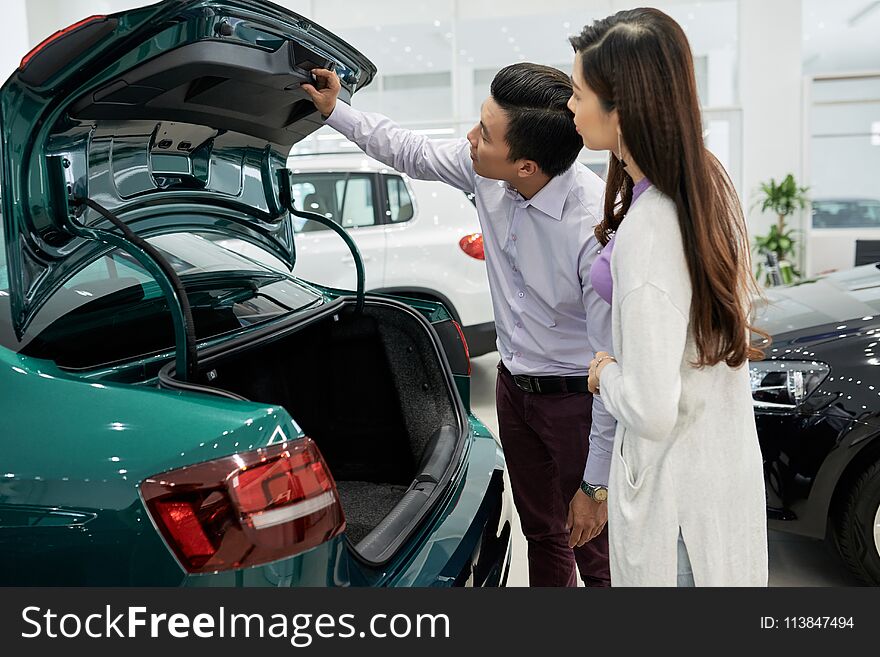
(173, 413)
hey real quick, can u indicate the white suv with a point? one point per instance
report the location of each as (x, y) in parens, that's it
(418, 239)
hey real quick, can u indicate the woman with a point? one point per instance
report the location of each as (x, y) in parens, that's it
(686, 473)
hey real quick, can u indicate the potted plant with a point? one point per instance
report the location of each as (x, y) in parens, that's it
(784, 199)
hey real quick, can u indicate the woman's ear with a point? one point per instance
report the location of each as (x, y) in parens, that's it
(614, 118)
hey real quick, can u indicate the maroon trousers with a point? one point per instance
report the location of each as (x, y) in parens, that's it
(546, 441)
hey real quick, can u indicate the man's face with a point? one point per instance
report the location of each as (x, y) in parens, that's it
(489, 150)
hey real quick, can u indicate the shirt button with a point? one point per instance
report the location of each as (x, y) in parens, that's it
(522, 294)
(518, 354)
(515, 269)
(513, 237)
(519, 325)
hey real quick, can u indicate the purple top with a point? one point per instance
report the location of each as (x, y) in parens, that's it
(600, 273)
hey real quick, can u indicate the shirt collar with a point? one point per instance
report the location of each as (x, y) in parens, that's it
(551, 198)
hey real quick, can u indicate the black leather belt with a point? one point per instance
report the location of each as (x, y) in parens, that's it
(546, 385)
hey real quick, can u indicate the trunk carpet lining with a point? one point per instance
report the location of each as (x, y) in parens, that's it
(365, 504)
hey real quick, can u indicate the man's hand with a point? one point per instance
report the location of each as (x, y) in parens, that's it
(586, 519)
(327, 91)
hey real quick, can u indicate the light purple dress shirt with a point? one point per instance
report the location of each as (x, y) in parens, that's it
(600, 272)
(539, 252)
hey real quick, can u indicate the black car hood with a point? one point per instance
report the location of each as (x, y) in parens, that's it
(839, 299)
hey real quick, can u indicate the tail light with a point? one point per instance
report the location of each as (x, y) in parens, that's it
(464, 344)
(55, 36)
(473, 245)
(246, 509)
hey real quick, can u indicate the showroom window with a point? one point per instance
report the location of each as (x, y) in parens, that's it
(844, 158)
(345, 198)
(400, 205)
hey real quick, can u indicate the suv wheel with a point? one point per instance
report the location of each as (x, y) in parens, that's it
(858, 526)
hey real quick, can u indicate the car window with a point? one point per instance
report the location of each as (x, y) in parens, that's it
(846, 214)
(346, 198)
(354, 195)
(112, 309)
(400, 206)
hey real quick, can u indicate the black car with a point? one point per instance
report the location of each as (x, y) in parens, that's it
(817, 406)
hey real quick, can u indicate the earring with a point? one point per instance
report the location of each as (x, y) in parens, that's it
(620, 152)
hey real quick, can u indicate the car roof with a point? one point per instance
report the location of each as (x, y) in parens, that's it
(355, 161)
(847, 199)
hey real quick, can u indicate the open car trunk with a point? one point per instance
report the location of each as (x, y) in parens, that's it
(373, 390)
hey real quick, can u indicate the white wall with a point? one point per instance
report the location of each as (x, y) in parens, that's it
(15, 43)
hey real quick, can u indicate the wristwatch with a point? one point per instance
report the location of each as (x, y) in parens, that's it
(598, 493)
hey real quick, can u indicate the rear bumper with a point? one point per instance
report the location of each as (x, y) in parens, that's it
(480, 338)
(490, 561)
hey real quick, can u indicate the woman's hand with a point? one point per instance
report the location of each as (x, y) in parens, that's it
(596, 366)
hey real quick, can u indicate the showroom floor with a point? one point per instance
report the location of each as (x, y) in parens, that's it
(794, 560)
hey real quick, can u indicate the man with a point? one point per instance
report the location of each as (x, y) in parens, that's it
(537, 209)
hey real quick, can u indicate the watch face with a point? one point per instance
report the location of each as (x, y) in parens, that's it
(601, 495)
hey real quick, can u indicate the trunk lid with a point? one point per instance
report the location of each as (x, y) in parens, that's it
(176, 117)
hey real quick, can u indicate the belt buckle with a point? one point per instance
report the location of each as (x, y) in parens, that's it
(523, 383)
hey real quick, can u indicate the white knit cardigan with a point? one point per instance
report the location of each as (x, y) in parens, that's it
(686, 453)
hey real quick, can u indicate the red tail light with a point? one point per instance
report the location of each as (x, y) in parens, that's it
(467, 352)
(246, 509)
(473, 245)
(57, 35)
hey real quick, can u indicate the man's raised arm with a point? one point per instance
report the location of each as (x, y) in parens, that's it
(446, 160)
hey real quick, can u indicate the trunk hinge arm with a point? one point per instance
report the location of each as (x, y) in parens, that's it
(287, 202)
(146, 254)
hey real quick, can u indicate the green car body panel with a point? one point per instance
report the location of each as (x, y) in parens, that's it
(75, 444)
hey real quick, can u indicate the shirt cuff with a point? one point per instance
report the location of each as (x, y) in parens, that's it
(342, 118)
(597, 469)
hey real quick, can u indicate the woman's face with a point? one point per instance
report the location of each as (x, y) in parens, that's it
(596, 127)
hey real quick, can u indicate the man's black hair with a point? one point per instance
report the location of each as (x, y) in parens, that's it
(540, 125)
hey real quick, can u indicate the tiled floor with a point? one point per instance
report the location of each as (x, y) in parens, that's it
(794, 560)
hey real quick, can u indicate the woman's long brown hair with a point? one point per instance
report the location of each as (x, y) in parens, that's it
(639, 62)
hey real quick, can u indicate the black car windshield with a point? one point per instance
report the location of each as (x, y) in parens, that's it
(113, 309)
